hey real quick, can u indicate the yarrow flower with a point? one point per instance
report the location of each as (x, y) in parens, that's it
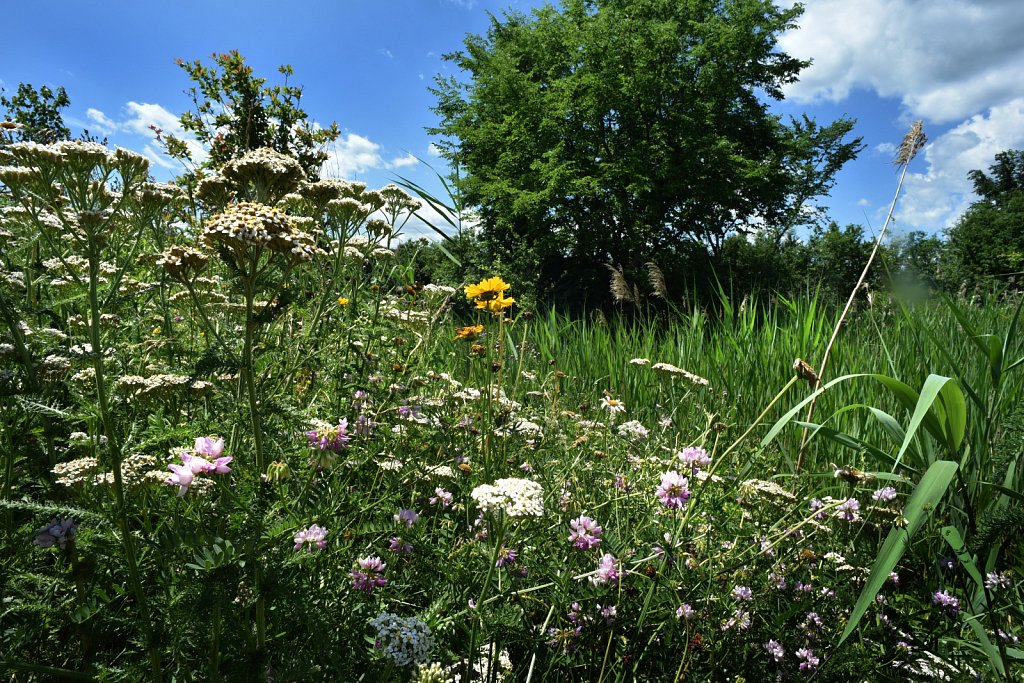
(585, 533)
(608, 570)
(368, 574)
(313, 535)
(57, 532)
(673, 492)
(404, 640)
(515, 497)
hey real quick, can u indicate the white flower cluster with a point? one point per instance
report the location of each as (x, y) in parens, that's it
(405, 640)
(182, 261)
(134, 386)
(673, 371)
(267, 168)
(516, 497)
(251, 223)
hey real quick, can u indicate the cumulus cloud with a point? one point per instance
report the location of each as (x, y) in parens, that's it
(945, 60)
(100, 122)
(403, 161)
(351, 154)
(433, 150)
(936, 197)
(142, 117)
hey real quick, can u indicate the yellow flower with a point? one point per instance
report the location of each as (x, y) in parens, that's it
(469, 332)
(486, 289)
(342, 301)
(156, 330)
(495, 305)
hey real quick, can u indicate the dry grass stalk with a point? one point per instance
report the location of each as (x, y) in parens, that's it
(657, 280)
(619, 287)
(912, 143)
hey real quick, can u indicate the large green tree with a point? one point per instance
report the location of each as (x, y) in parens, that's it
(988, 240)
(38, 110)
(627, 130)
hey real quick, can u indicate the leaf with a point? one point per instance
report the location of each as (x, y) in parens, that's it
(922, 503)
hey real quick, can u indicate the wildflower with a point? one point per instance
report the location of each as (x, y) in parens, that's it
(774, 648)
(407, 517)
(486, 290)
(368, 574)
(740, 620)
(516, 497)
(633, 430)
(612, 405)
(884, 495)
(585, 534)
(808, 661)
(182, 477)
(816, 504)
(404, 640)
(742, 593)
(57, 531)
(685, 611)
(312, 535)
(506, 556)
(621, 483)
(608, 613)
(946, 600)
(608, 570)
(342, 301)
(997, 580)
(328, 437)
(694, 457)
(441, 497)
(848, 509)
(673, 490)
(397, 545)
(468, 333)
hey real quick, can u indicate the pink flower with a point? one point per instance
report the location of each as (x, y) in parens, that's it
(220, 465)
(182, 478)
(313, 535)
(209, 447)
(608, 570)
(585, 533)
(196, 464)
(674, 490)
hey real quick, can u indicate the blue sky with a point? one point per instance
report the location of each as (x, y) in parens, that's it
(367, 64)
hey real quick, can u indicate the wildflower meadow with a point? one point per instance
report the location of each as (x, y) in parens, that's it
(240, 443)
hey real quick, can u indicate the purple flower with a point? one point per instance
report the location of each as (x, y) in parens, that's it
(363, 426)
(312, 535)
(209, 447)
(397, 545)
(368, 574)
(775, 650)
(817, 505)
(808, 661)
(742, 593)
(57, 531)
(946, 600)
(329, 437)
(673, 492)
(621, 483)
(884, 495)
(739, 620)
(685, 611)
(848, 509)
(608, 613)
(441, 497)
(407, 517)
(608, 570)
(506, 556)
(995, 580)
(585, 533)
(695, 457)
(181, 477)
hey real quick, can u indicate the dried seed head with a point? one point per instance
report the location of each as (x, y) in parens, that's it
(912, 143)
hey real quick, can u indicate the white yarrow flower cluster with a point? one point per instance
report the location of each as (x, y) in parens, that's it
(404, 640)
(515, 497)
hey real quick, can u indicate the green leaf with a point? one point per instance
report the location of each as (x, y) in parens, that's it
(922, 503)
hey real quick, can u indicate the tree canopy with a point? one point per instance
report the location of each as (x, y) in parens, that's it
(39, 113)
(626, 130)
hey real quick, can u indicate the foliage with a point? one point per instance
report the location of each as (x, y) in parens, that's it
(619, 132)
(39, 113)
(236, 112)
(987, 242)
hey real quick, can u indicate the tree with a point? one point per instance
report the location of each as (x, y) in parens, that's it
(837, 258)
(236, 112)
(38, 112)
(988, 240)
(627, 130)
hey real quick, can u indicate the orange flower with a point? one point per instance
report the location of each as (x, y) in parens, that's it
(496, 304)
(342, 301)
(468, 333)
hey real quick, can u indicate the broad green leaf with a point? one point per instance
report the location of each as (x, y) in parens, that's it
(922, 503)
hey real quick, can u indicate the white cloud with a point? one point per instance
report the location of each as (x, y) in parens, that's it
(433, 150)
(401, 162)
(863, 202)
(351, 154)
(936, 197)
(386, 52)
(146, 116)
(944, 59)
(102, 123)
